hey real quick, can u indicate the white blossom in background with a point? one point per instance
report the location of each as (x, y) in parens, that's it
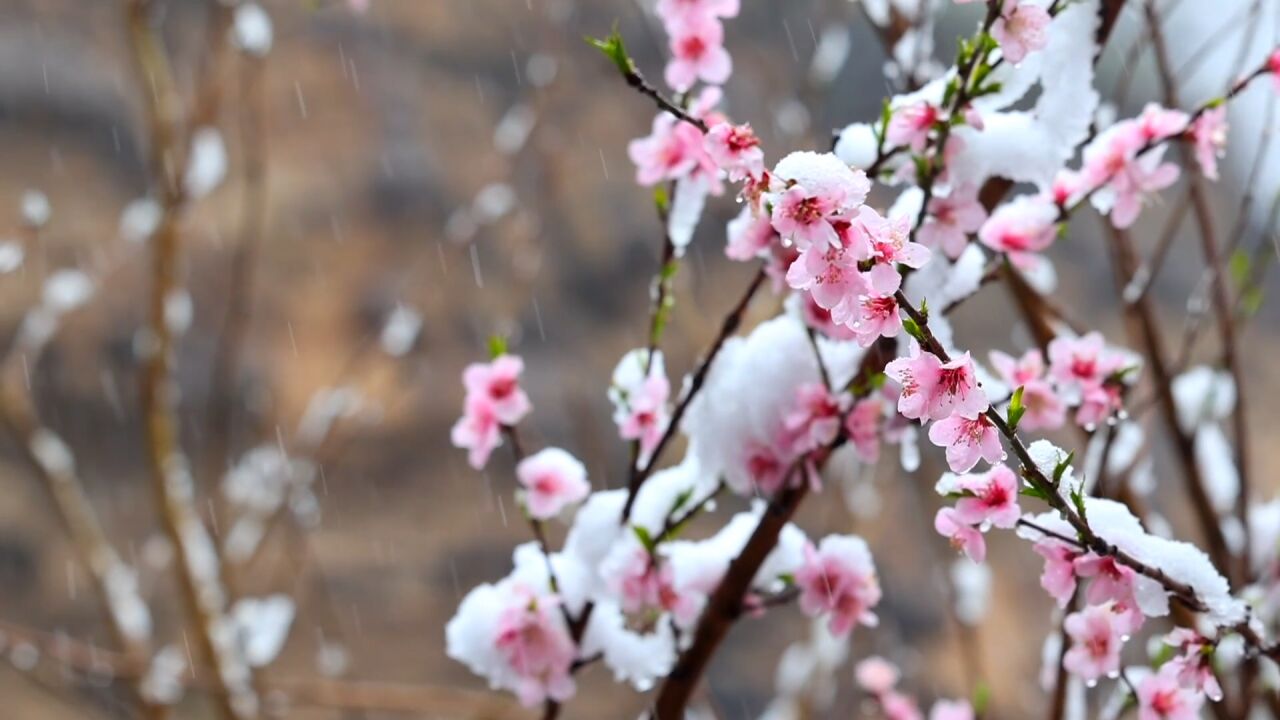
(251, 29)
(207, 163)
(36, 209)
(401, 331)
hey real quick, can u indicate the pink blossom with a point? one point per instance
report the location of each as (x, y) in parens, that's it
(1028, 224)
(910, 125)
(990, 497)
(819, 318)
(646, 415)
(917, 375)
(552, 480)
(956, 390)
(1112, 163)
(963, 536)
(750, 236)
(814, 421)
(890, 242)
(876, 675)
(863, 427)
(478, 430)
(1273, 67)
(1045, 410)
(897, 706)
(806, 218)
(499, 381)
(767, 465)
(951, 710)
(1078, 363)
(951, 219)
(1096, 641)
(838, 577)
(697, 53)
(830, 273)
(1110, 581)
(877, 317)
(644, 583)
(1097, 403)
(1193, 667)
(532, 638)
(675, 11)
(1020, 29)
(673, 150)
(966, 440)
(1067, 187)
(736, 149)
(1059, 576)
(1161, 697)
(1209, 135)
(936, 390)
(1159, 123)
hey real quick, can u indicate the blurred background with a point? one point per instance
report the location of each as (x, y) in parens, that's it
(464, 161)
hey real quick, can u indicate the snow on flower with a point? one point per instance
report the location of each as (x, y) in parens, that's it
(814, 421)
(1020, 29)
(515, 637)
(819, 189)
(552, 480)
(952, 217)
(951, 710)
(640, 400)
(839, 578)
(1022, 227)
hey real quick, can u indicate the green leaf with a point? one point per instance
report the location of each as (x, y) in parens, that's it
(1061, 468)
(1016, 408)
(1035, 492)
(924, 309)
(497, 346)
(1251, 300)
(646, 540)
(981, 698)
(1239, 266)
(614, 49)
(1077, 499)
(913, 329)
(680, 501)
(660, 199)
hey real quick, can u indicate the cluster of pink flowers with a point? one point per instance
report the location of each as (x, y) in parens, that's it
(879, 678)
(984, 501)
(494, 399)
(640, 393)
(552, 480)
(696, 41)
(532, 638)
(838, 579)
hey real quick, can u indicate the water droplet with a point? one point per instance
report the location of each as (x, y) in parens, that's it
(1125, 638)
(1090, 427)
(1091, 684)
(1113, 674)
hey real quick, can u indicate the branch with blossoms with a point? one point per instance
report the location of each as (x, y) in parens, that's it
(864, 355)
